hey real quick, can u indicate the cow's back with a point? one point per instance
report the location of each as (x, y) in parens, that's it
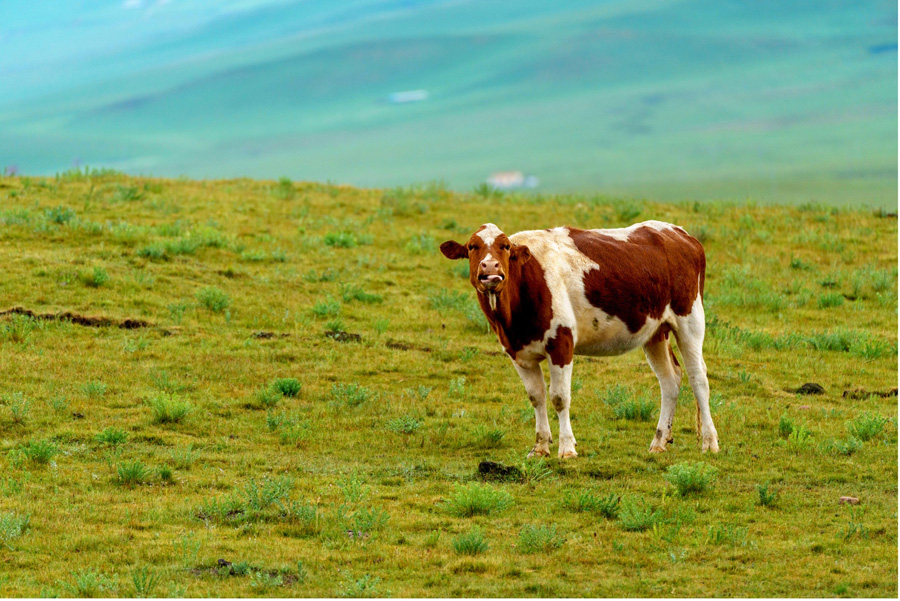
(614, 283)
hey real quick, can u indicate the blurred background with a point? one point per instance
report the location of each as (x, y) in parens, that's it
(775, 101)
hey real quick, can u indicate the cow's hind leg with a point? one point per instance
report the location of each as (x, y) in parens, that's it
(689, 333)
(662, 360)
(533, 379)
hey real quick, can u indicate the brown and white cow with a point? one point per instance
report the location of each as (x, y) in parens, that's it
(551, 294)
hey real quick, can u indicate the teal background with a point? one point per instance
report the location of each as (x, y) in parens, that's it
(787, 101)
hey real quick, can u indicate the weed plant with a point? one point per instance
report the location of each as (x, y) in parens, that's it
(866, 426)
(144, 581)
(213, 299)
(588, 501)
(470, 543)
(41, 452)
(539, 539)
(765, 496)
(111, 436)
(90, 583)
(349, 395)
(635, 515)
(168, 409)
(406, 424)
(289, 387)
(12, 527)
(842, 446)
(132, 473)
(476, 499)
(691, 478)
(94, 278)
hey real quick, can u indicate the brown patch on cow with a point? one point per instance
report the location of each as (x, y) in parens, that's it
(524, 307)
(561, 348)
(637, 278)
(663, 334)
(79, 320)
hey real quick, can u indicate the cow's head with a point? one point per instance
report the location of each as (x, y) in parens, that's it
(489, 252)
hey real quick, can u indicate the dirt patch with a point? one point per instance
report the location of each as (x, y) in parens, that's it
(861, 393)
(403, 346)
(809, 388)
(80, 320)
(263, 335)
(491, 470)
(341, 336)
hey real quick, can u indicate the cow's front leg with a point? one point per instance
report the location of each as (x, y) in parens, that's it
(560, 352)
(561, 397)
(533, 378)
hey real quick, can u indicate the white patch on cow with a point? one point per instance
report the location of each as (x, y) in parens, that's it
(489, 233)
(492, 300)
(622, 234)
(488, 257)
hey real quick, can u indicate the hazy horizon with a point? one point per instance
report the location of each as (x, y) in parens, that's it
(778, 102)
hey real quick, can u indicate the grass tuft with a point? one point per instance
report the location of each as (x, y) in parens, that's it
(691, 478)
(866, 426)
(168, 409)
(470, 543)
(476, 499)
(539, 539)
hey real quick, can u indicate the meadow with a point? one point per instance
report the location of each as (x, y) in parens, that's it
(272, 388)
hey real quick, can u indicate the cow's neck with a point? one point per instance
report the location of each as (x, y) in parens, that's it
(504, 310)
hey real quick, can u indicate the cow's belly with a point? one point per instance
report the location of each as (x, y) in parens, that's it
(600, 334)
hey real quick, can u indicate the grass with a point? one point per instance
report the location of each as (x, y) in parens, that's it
(866, 426)
(539, 539)
(384, 435)
(691, 478)
(470, 543)
(635, 515)
(168, 409)
(476, 499)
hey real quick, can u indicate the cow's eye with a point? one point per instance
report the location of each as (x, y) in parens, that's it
(505, 247)
(473, 247)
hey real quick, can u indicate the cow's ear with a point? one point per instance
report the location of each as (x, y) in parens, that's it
(521, 253)
(454, 250)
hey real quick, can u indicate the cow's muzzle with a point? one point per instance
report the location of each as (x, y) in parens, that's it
(490, 281)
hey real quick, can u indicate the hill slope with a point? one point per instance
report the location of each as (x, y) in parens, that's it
(172, 399)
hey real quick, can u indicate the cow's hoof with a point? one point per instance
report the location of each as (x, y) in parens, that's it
(657, 448)
(711, 445)
(568, 454)
(536, 452)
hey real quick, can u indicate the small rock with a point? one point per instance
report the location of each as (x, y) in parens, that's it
(224, 563)
(811, 388)
(849, 501)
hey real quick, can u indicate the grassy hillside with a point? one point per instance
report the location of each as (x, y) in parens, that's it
(779, 102)
(246, 388)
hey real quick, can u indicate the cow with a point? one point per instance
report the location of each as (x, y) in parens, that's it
(555, 293)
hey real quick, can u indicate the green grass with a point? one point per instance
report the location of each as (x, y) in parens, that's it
(470, 543)
(476, 499)
(691, 478)
(384, 436)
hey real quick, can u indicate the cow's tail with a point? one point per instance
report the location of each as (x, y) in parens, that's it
(699, 425)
